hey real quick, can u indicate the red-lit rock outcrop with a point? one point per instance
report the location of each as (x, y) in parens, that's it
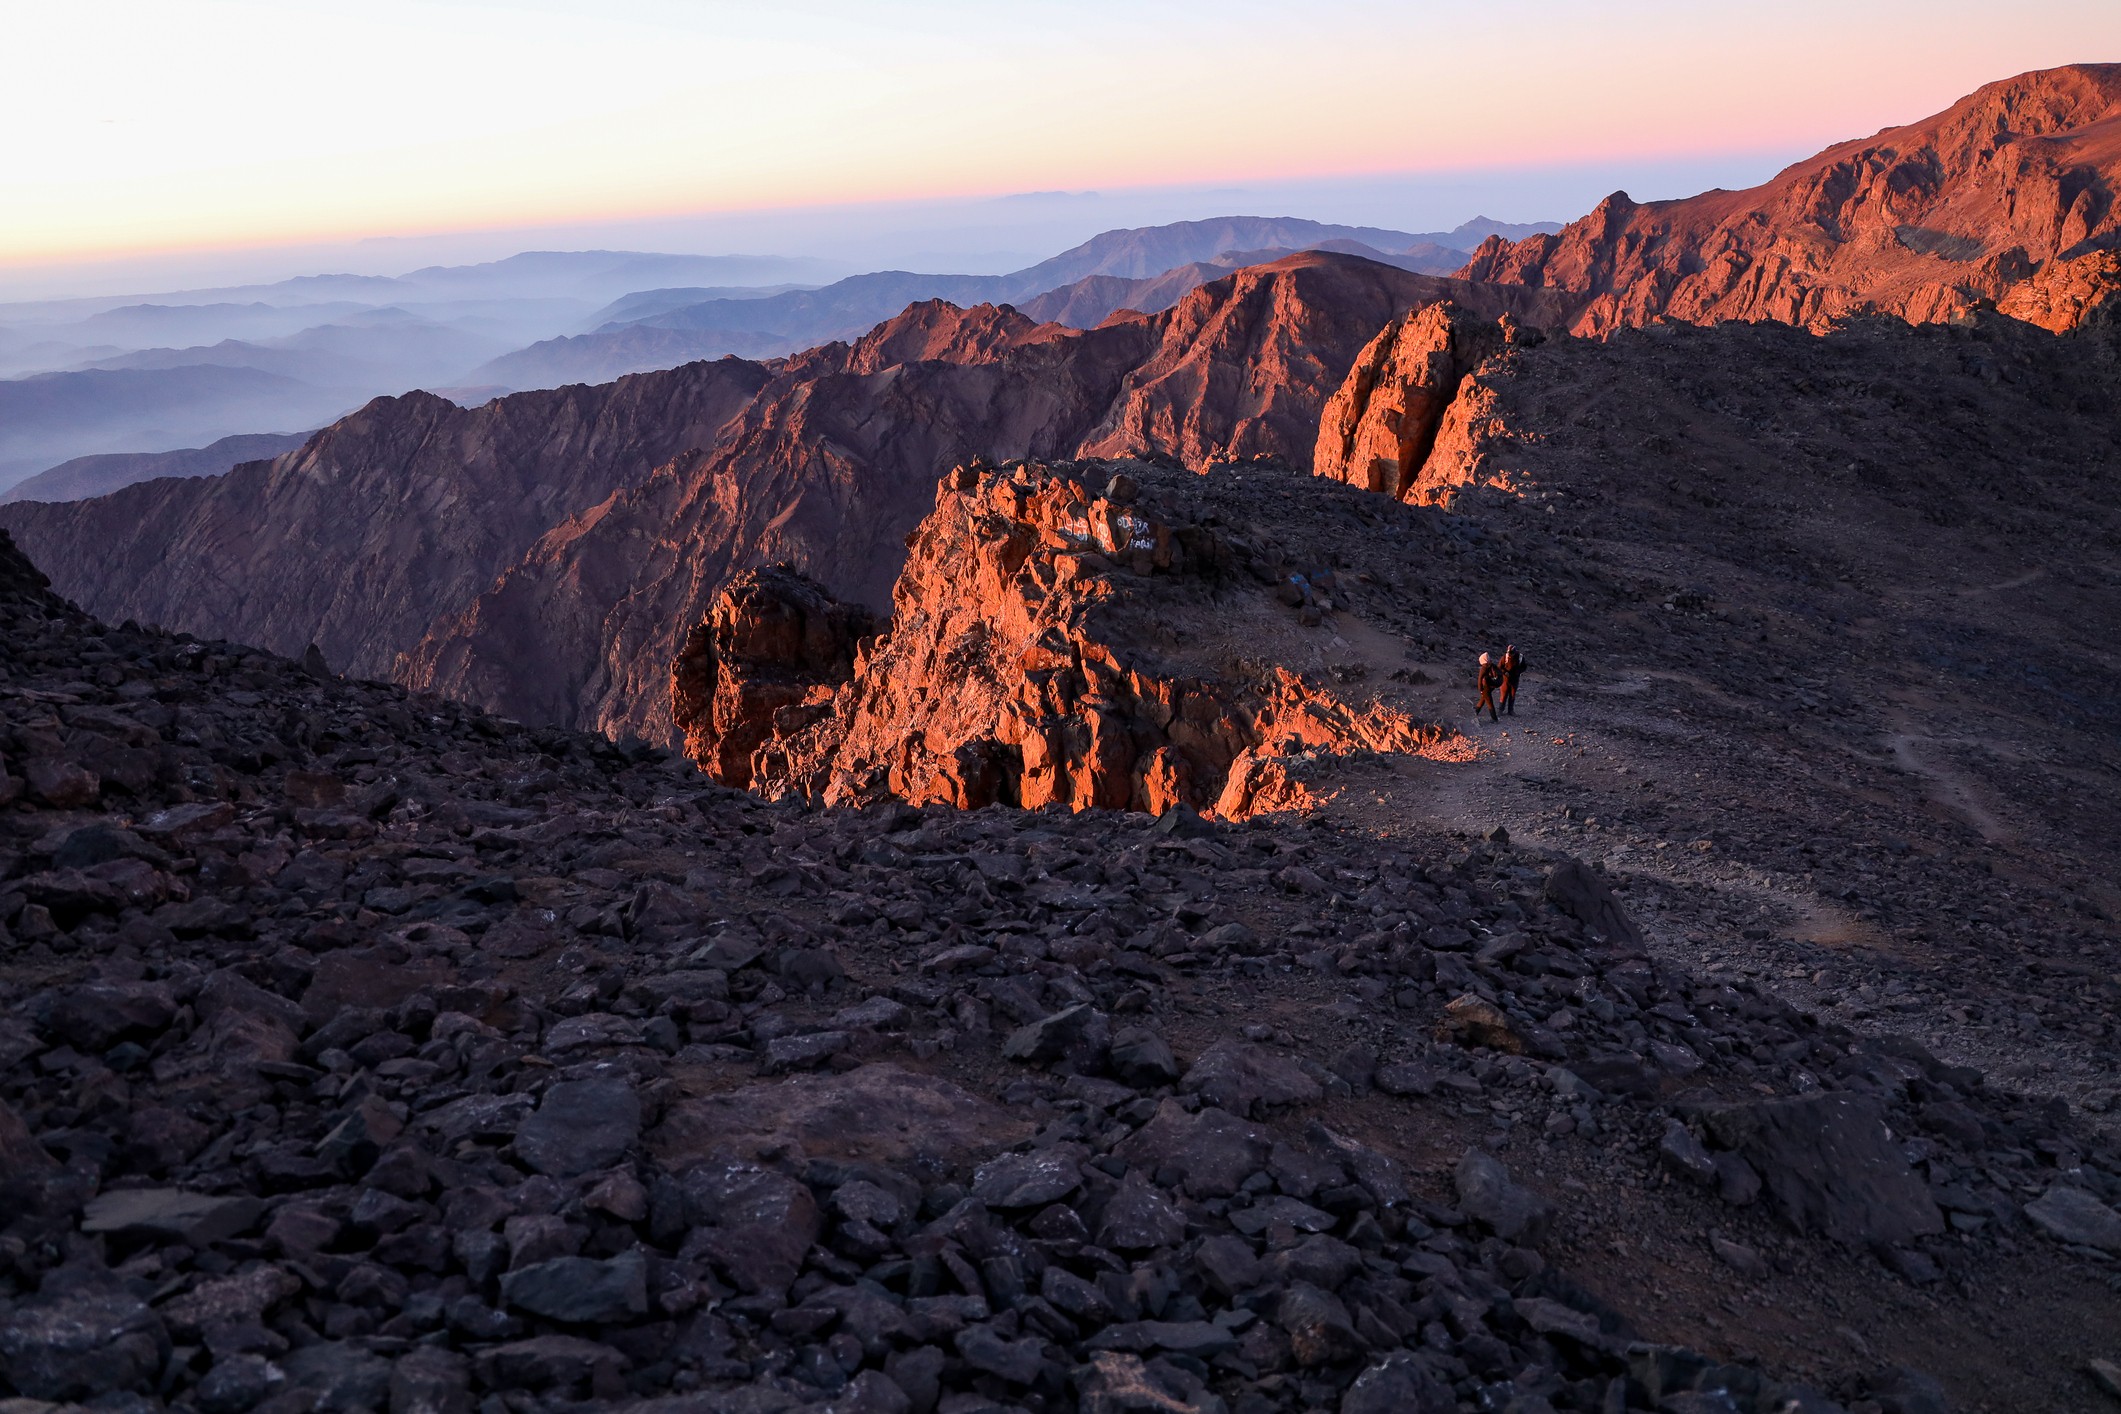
(1029, 662)
(1400, 407)
(775, 641)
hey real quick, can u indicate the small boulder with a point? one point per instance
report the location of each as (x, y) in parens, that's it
(1470, 1021)
(580, 1126)
(1247, 1079)
(170, 1215)
(1575, 888)
(1497, 1202)
(1211, 1152)
(1080, 1035)
(2074, 1216)
(80, 1343)
(1317, 1324)
(1399, 1384)
(1830, 1165)
(580, 1290)
(1142, 1058)
(1138, 1218)
(1028, 1180)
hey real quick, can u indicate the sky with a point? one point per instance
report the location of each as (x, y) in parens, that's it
(173, 134)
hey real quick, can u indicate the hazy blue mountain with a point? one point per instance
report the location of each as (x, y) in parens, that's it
(83, 477)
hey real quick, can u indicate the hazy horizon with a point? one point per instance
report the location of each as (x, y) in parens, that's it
(980, 235)
(212, 141)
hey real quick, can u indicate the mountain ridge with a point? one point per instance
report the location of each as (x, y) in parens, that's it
(2013, 186)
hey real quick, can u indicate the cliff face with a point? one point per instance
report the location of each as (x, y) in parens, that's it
(1926, 221)
(774, 641)
(1054, 639)
(1244, 366)
(359, 538)
(1400, 408)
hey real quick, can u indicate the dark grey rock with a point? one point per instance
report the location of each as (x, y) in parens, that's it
(1398, 1384)
(862, 1201)
(237, 1383)
(1737, 1182)
(806, 1051)
(1685, 1155)
(1317, 1325)
(564, 1364)
(1491, 1198)
(430, 1380)
(580, 1126)
(1830, 1166)
(170, 1215)
(1575, 888)
(337, 1377)
(1028, 1180)
(763, 1222)
(870, 1392)
(1229, 1264)
(80, 1343)
(2074, 1216)
(985, 1349)
(1137, 1218)
(1405, 1078)
(1080, 1035)
(1246, 1079)
(1142, 1058)
(580, 1290)
(1212, 1152)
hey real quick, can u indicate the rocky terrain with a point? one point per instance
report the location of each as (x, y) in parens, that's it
(2006, 200)
(1099, 960)
(358, 538)
(540, 554)
(1058, 636)
(364, 1052)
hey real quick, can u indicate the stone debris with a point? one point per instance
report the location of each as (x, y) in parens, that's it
(518, 1071)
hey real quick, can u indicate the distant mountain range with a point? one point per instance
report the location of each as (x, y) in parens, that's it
(84, 477)
(55, 417)
(138, 374)
(711, 327)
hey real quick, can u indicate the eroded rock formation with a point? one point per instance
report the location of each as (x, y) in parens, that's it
(775, 641)
(1925, 221)
(1386, 422)
(1028, 662)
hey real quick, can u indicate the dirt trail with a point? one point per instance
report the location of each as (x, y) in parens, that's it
(1947, 786)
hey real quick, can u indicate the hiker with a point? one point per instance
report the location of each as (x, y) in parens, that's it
(1490, 679)
(1512, 670)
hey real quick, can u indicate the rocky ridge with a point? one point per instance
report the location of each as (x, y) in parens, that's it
(2012, 186)
(364, 1052)
(536, 554)
(356, 540)
(1399, 410)
(834, 464)
(1057, 637)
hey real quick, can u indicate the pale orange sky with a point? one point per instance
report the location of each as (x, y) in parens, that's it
(159, 125)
